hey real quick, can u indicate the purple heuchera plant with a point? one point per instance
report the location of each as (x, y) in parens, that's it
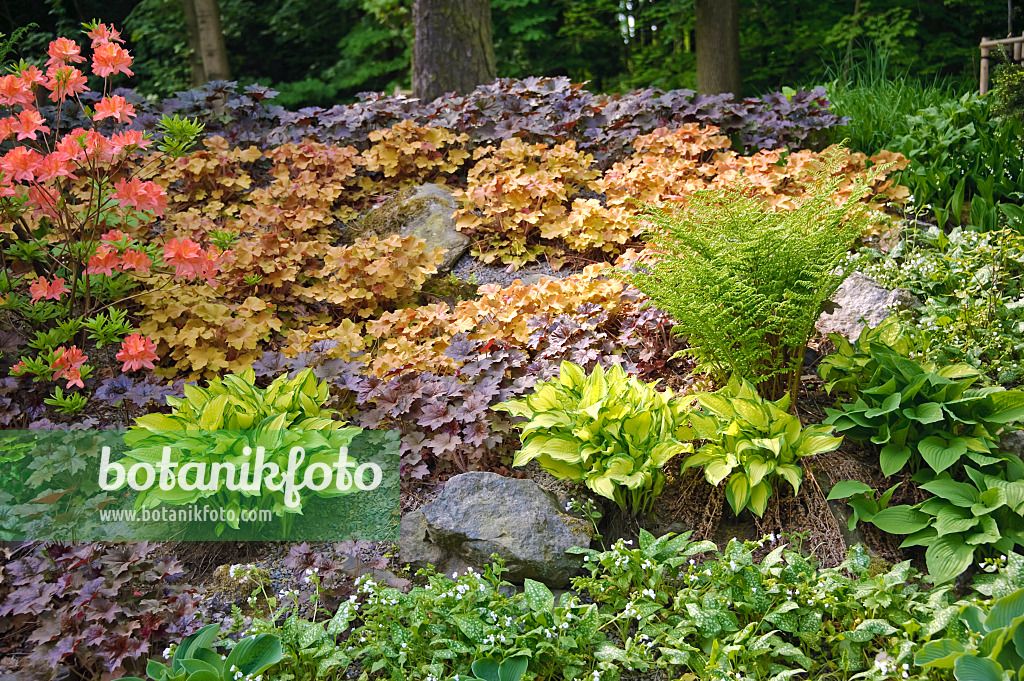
(538, 109)
(94, 608)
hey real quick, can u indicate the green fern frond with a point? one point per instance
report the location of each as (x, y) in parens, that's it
(746, 282)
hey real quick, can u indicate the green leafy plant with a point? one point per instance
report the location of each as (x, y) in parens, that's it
(71, 404)
(969, 287)
(995, 649)
(490, 669)
(433, 631)
(740, 614)
(750, 442)
(609, 430)
(746, 282)
(985, 512)
(963, 156)
(917, 412)
(928, 418)
(228, 422)
(195, 659)
(861, 498)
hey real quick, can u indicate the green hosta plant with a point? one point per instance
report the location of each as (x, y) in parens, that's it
(608, 430)
(490, 669)
(983, 513)
(750, 441)
(861, 498)
(195, 659)
(995, 650)
(917, 412)
(225, 427)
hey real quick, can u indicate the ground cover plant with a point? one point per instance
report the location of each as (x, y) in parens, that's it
(214, 266)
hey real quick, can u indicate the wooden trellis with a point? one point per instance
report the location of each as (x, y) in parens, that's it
(1015, 49)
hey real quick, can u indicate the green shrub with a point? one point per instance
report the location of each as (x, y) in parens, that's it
(609, 430)
(216, 424)
(746, 282)
(1008, 91)
(751, 442)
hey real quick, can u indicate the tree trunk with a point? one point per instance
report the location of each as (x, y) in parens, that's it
(454, 49)
(718, 46)
(209, 39)
(196, 57)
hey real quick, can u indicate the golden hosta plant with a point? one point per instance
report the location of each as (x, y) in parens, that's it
(750, 441)
(224, 424)
(609, 430)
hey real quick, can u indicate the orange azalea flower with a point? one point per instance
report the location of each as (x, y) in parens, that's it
(64, 82)
(128, 138)
(110, 58)
(104, 261)
(137, 352)
(116, 107)
(186, 255)
(144, 195)
(44, 201)
(73, 144)
(68, 365)
(104, 34)
(97, 146)
(19, 164)
(52, 166)
(135, 260)
(114, 235)
(33, 76)
(63, 51)
(28, 123)
(13, 90)
(5, 127)
(40, 289)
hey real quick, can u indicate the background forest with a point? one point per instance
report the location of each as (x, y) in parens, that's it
(324, 52)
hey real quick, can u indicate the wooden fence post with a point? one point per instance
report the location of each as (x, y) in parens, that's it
(984, 66)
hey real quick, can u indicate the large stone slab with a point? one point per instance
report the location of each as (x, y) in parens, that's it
(480, 514)
(425, 212)
(861, 299)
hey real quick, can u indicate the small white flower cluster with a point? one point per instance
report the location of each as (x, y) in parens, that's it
(887, 665)
(630, 611)
(240, 573)
(285, 594)
(309, 574)
(646, 641)
(239, 676)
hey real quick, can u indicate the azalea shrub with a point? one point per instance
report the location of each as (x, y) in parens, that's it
(74, 203)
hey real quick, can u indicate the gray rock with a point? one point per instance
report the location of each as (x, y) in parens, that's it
(480, 514)
(1012, 442)
(426, 212)
(416, 549)
(862, 299)
(532, 279)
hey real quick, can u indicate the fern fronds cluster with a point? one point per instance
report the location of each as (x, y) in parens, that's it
(746, 282)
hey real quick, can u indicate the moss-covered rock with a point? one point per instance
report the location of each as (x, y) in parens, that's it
(425, 212)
